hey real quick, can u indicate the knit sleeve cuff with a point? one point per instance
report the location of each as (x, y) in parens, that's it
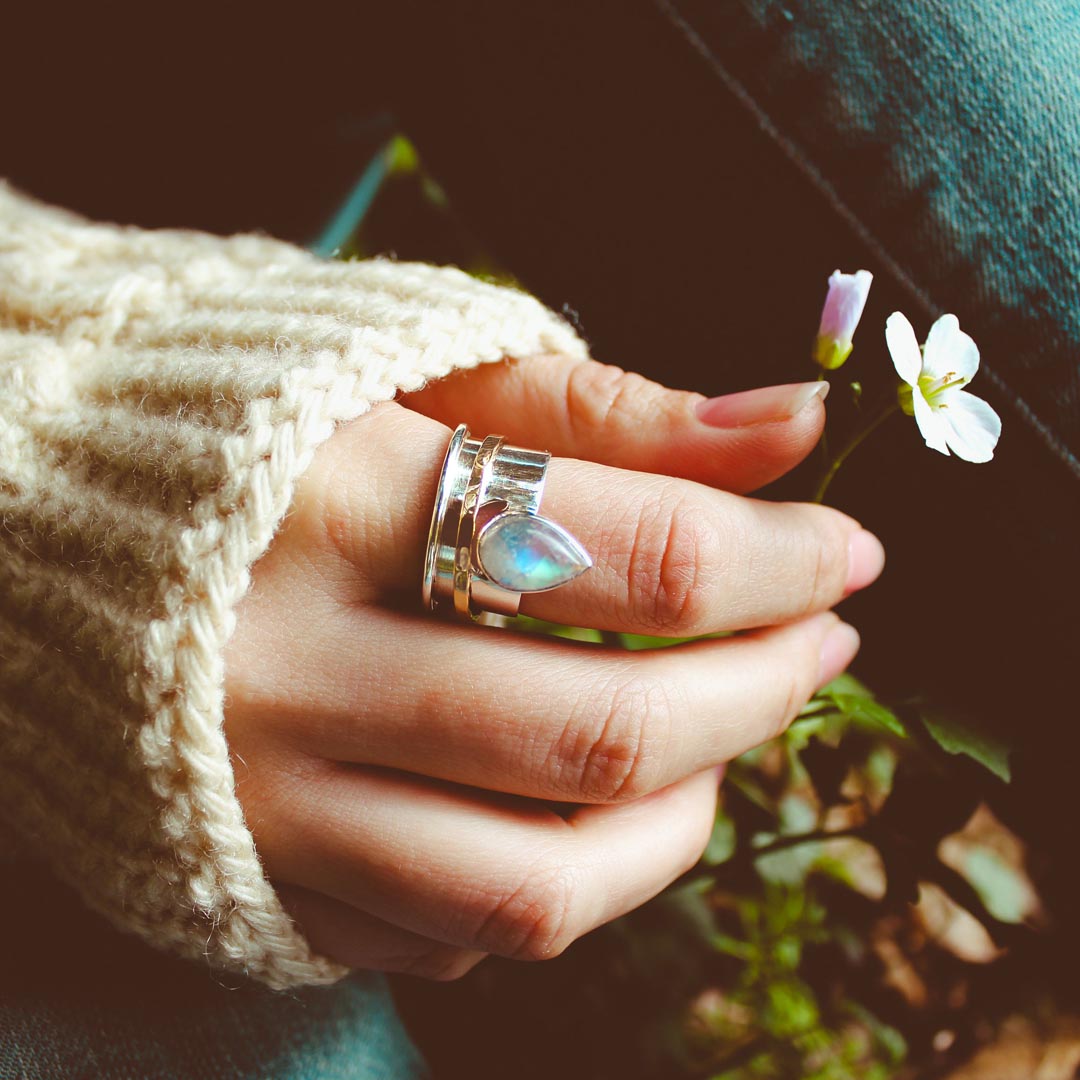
(160, 394)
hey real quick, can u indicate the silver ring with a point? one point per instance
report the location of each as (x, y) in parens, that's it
(488, 543)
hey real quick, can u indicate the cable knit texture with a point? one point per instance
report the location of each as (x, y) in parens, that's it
(160, 393)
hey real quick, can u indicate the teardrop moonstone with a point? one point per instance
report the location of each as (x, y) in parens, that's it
(527, 553)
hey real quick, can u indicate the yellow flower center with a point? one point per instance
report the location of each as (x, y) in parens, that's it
(933, 388)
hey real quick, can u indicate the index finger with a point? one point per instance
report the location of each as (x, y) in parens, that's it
(583, 409)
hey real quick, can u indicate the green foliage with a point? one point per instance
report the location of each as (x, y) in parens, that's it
(852, 699)
(845, 803)
(956, 736)
(722, 841)
(997, 883)
(772, 1022)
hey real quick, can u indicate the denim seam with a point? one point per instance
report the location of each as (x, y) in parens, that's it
(1009, 243)
(798, 157)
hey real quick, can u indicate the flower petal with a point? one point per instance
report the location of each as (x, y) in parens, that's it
(973, 426)
(931, 423)
(903, 347)
(949, 351)
(844, 304)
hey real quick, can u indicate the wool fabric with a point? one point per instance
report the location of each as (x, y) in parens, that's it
(160, 394)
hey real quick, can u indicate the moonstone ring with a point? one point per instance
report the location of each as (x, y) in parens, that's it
(488, 543)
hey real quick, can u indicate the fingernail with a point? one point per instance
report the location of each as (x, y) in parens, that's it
(837, 651)
(764, 406)
(866, 560)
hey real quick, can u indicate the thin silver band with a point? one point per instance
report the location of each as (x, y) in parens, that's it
(510, 480)
(475, 491)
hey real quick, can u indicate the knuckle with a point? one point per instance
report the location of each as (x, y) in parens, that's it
(335, 504)
(816, 578)
(601, 394)
(614, 752)
(794, 688)
(335, 496)
(791, 699)
(673, 568)
(826, 567)
(532, 921)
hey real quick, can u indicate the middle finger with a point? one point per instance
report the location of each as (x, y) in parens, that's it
(671, 557)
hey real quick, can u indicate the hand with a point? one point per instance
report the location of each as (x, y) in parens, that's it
(396, 769)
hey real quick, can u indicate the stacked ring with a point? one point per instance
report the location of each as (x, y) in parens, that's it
(488, 544)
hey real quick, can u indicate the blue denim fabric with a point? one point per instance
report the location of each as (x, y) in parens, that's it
(78, 1000)
(948, 133)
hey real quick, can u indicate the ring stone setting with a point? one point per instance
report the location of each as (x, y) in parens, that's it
(488, 544)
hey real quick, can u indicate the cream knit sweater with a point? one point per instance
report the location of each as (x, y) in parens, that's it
(160, 393)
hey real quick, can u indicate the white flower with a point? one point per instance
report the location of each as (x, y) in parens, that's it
(948, 416)
(840, 316)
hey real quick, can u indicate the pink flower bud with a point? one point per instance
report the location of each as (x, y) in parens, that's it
(841, 314)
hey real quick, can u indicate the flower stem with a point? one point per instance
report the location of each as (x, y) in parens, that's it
(746, 856)
(855, 441)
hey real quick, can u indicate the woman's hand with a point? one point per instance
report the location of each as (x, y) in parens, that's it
(396, 770)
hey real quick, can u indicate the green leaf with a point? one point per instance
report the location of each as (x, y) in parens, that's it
(790, 1009)
(731, 946)
(816, 705)
(891, 1041)
(857, 702)
(525, 624)
(847, 685)
(1001, 888)
(639, 642)
(722, 842)
(959, 737)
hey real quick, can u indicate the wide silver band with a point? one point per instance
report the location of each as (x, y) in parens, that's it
(484, 482)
